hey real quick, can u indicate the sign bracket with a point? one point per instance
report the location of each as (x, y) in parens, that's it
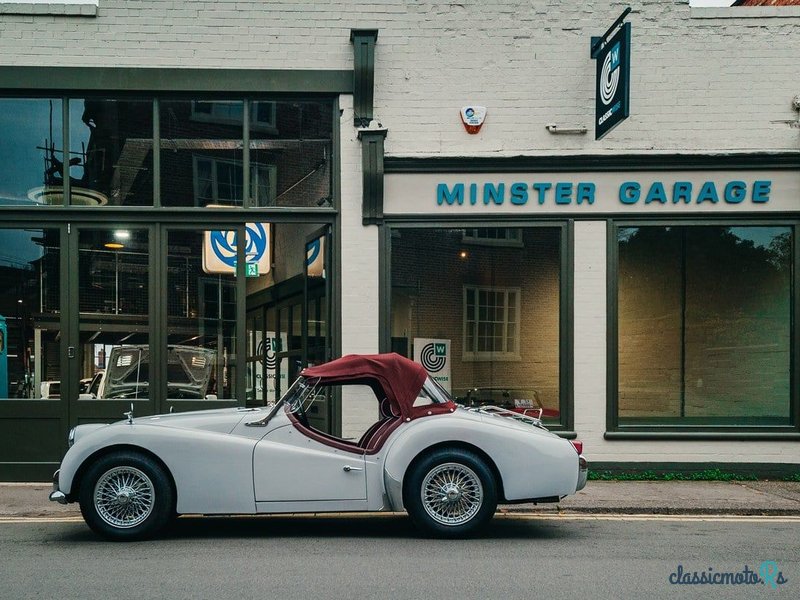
(597, 41)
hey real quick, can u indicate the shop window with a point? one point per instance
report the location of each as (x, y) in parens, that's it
(299, 146)
(185, 141)
(30, 353)
(31, 151)
(484, 320)
(494, 236)
(111, 152)
(704, 325)
(491, 323)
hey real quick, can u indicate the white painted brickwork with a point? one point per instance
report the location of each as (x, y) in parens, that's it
(699, 84)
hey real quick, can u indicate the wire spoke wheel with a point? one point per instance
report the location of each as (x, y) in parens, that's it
(451, 494)
(124, 497)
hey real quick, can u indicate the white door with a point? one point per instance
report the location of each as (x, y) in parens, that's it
(289, 467)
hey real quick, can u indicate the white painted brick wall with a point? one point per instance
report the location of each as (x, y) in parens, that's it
(359, 276)
(699, 84)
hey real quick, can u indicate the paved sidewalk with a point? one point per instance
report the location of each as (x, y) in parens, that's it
(633, 497)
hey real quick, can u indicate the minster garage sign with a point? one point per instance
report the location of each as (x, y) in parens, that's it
(660, 192)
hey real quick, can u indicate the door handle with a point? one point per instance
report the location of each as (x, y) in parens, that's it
(348, 468)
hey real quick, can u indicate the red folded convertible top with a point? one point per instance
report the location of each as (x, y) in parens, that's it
(400, 379)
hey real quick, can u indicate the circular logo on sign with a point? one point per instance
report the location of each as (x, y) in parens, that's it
(430, 361)
(609, 80)
(223, 244)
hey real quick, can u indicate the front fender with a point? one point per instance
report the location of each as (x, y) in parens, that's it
(532, 463)
(212, 471)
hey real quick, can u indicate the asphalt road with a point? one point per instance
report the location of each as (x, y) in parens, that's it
(381, 557)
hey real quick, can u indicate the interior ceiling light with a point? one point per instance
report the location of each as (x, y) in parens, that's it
(114, 245)
(122, 235)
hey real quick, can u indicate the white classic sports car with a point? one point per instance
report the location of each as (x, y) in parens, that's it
(446, 465)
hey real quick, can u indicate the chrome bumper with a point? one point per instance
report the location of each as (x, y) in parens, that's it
(57, 495)
(583, 473)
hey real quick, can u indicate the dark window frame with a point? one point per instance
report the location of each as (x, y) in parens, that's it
(615, 430)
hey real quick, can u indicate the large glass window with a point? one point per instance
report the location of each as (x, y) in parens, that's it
(113, 284)
(483, 318)
(290, 153)
(201, 316)
(31, 151)
(111, 152)
(704, 325)
(201, 153)
(203, 159)
(30, 357)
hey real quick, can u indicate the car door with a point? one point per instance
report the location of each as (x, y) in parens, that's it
(294, 472)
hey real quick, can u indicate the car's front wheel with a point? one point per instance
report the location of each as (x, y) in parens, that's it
(126, 496)
(450, 493)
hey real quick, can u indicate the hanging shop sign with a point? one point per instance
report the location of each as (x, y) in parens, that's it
(434, 355)
(592, 192)
(220, 250)
(612, 83)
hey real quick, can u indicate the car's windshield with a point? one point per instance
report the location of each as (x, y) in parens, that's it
(297, 397)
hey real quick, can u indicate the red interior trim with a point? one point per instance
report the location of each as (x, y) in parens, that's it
(371, 442)
(324, 438)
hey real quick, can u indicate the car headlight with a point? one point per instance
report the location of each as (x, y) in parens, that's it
(71, 437)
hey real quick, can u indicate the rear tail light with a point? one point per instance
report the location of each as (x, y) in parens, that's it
(578, 446)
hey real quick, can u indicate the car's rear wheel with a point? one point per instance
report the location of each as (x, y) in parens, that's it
(126, 496)
(450, 493)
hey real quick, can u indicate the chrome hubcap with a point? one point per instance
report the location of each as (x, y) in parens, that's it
(452, 494)
(124, 497)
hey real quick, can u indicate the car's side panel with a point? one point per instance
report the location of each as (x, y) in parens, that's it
(532, 463)
(290, 467)
(212, 471)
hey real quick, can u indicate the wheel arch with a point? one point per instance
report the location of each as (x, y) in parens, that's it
(105, 451)
(459, 445)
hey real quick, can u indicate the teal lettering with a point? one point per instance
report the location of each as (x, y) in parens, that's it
(761, 190)
(682, 190)
(656, 193)
(735, 192)
(454, 196)
(473, 193)
(585, 193)
(519, 193)
(541, 188)
(708, 193)
(494, 193)
(629, 192)
(563, 193)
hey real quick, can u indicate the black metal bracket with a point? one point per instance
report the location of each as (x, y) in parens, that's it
(597, 42)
